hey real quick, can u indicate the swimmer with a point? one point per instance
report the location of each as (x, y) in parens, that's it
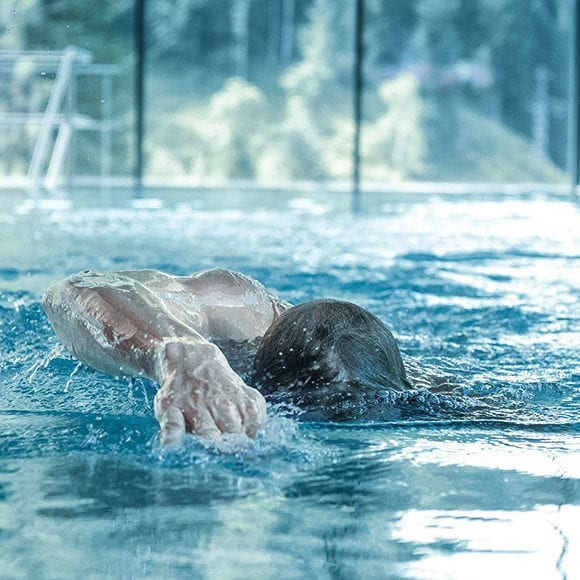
(168, 328)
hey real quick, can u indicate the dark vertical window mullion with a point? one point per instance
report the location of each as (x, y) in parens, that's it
(140, 16)
(575, 106)
(358, 101)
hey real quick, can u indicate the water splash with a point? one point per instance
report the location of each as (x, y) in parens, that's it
(71, 376)
(43, 361)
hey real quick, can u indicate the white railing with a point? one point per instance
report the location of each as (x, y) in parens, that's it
(39, 156)
(60, 120)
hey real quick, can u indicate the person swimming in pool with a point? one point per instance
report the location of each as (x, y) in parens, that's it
(319, 354)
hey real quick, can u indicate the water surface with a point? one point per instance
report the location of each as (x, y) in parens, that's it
(482, 481)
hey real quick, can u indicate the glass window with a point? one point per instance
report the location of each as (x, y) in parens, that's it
(250, 90)
(467, 90)
(262, 90)
(66, 84)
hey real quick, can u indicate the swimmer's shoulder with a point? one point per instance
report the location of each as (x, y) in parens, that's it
(222, 278)
(98, 278)
(232, 282)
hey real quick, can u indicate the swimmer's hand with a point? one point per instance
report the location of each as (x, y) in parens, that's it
(201, 394)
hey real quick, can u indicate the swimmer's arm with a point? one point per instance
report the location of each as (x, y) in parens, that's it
(116, 325)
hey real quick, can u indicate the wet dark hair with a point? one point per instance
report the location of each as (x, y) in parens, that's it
(325, 355)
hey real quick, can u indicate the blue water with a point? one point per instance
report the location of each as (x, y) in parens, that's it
(484, 480)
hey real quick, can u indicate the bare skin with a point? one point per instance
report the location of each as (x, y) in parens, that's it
(152, 324)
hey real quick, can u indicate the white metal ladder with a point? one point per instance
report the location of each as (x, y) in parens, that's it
(51, 120)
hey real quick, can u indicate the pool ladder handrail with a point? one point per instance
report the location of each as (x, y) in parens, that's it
(51, 120)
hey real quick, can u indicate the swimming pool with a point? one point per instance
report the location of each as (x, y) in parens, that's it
(483, 481)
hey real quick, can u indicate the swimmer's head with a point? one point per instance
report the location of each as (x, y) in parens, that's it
(324, 354)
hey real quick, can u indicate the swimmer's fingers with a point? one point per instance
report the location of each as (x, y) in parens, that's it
(172, 424)
(254, 412)
(243, 414)
(227, 417)
(201, 422)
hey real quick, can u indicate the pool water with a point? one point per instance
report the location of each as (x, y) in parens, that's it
(482, 481)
